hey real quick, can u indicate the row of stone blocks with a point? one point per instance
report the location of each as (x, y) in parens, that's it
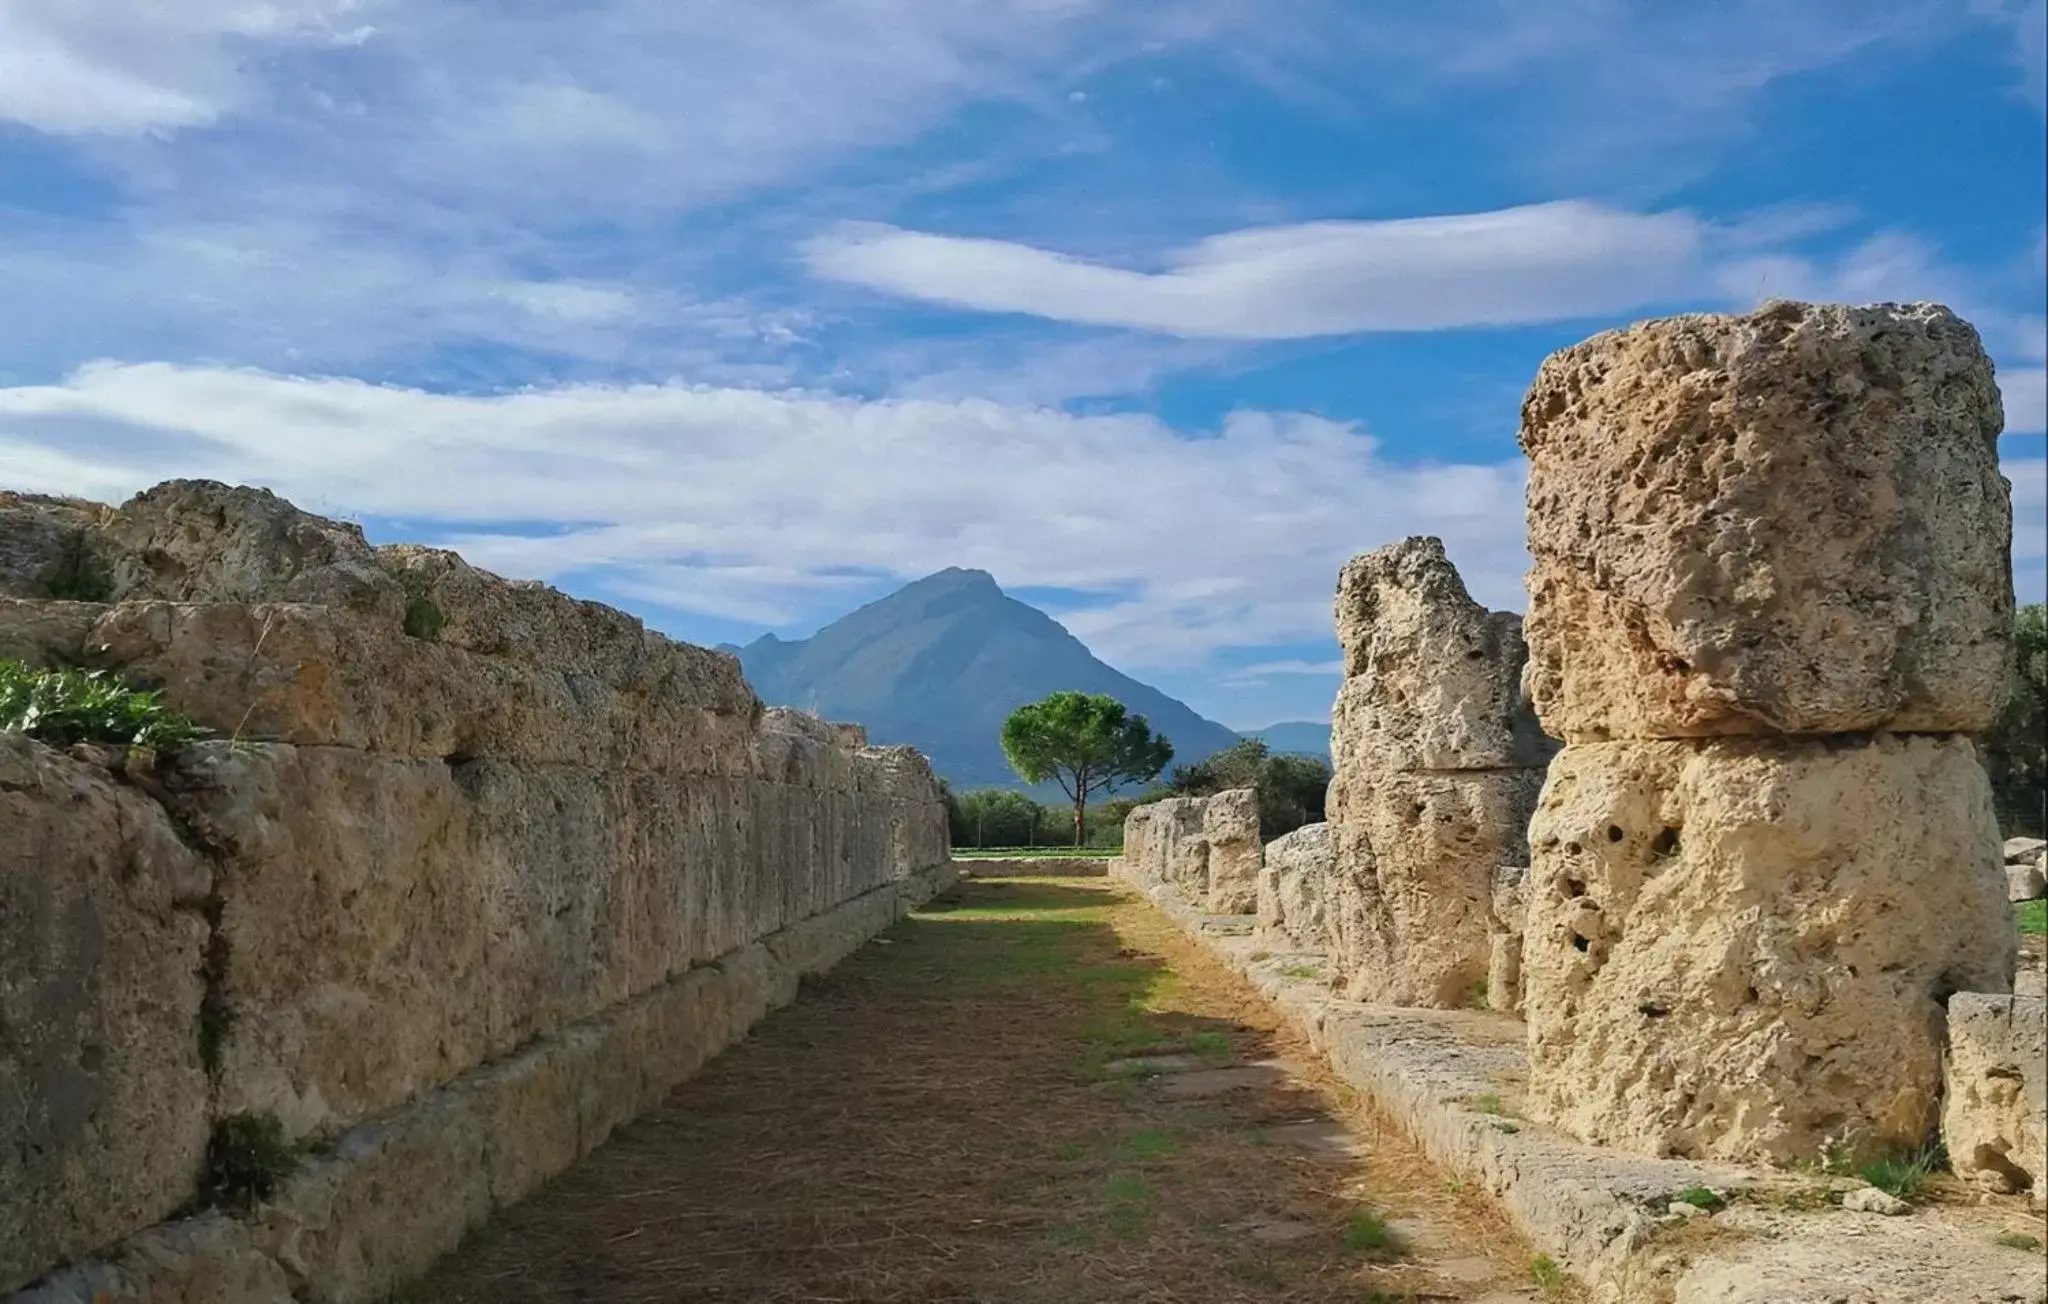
(1771, 601)
(443, 818)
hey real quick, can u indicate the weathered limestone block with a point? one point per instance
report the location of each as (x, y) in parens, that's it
(103, 1096)
(1432, 679)
(1995, 1113)
(1230, 827)
(44, 542)
(1165, 843)
(2024, 883)
(210, 1259)
(200, 541)
(2024, 851)
(1509, 916)
(316, 675)
(1791, 521)
(907, 792)
(1739, 948)
(1293, 889)
(1416, 854)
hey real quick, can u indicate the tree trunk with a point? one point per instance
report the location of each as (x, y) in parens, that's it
(1080, 808)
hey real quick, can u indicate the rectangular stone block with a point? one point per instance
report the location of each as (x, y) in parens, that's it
(1995, 1103)
(1294, 887)
(103, 1091)
(1786, 522)
(1738, 948)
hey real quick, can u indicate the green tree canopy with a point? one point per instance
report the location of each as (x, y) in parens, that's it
(2016, 749)
(1087, 742)
(1291, 787)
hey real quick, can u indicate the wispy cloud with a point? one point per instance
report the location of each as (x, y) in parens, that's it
(1544, 262)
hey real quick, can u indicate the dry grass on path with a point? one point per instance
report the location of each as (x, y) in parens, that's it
(949, 1117)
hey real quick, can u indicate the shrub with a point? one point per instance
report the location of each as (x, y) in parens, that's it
(246, 1158)
(75, 576)
(65, 706)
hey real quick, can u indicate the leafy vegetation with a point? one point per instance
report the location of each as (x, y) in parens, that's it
(1903, 1174)
(2018, 1241)
(1549, 1278)
(1367, 1233)
(65, 706)
(1291, 787)
(2016, 749)
(1700, 1197)
(246, 1158)
(1086, 742)
(423, 619)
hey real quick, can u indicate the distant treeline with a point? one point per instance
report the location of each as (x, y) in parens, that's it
(1290, 787)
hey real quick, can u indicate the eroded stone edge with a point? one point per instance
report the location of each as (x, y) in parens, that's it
(394, 1194)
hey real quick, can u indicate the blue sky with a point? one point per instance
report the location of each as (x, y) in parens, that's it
(740, 313)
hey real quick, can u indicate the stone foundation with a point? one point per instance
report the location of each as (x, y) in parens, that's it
(1995, 1116)
(1206, 846)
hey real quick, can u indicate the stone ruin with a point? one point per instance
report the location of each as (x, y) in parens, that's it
(1771, 600)
(1437, 760)
(469, 874)
(1205, 847)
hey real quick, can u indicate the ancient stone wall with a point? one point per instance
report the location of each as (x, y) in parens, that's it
(1205, 847)
(1771, 597)
(1294, 888)
(469, 873)
(1437, 763)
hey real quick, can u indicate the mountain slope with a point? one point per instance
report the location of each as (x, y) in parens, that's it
(1302, 736)
(940, 664)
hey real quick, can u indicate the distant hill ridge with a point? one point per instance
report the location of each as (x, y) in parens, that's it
(941, 663)
(1304, 736)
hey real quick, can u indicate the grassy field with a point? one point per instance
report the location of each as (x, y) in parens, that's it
(2032, 918)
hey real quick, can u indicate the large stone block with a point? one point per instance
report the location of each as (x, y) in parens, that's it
(1995, 1111)
(1230, 827)
(1433, 680)
(1294, 888)
(103, 1095)
(1510, 919)
(1791, 521)
(1739, 948)
(1411, 908)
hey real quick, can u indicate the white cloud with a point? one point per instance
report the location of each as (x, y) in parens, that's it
(749, 504)
(122, 67)
(1543, 262)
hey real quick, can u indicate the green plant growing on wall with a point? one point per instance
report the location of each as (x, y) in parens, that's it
(75, 576)
(246, 1158)
(64, 706)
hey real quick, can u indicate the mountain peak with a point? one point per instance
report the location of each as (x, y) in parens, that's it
(941, 662)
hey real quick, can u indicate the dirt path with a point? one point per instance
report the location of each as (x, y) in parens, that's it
(1033, 1091)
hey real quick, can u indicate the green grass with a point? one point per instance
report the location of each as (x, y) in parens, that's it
(65, 706)
(2018, 1241)
(2032, 918)
(1301, 971)
(1055, 853)
(1549, 1278)
(1206, 1043)
(1699, 1197)
(1367, 1233)
(1488, 1104)
(1903, 1175)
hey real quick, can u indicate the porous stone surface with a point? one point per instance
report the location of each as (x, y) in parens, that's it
(1995, 1110)
(2024, 851)
(1789, 521)
(1739, 948)
(103, 1095)
(1294, 887)
(1208, 846)
(444, 817)
(1437, 760)
(1432, 679)
(1508, 916)
(1412, 892)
